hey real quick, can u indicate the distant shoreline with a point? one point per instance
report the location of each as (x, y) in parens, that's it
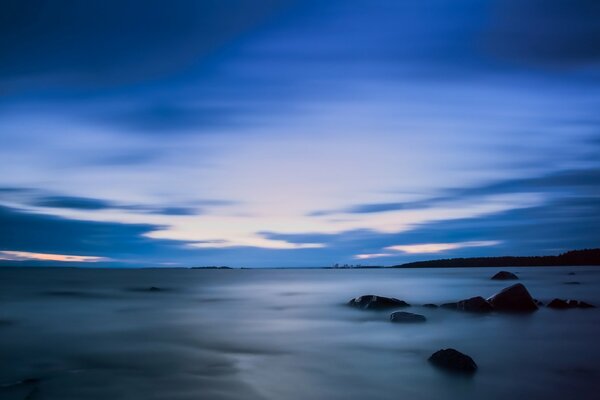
(574, 258)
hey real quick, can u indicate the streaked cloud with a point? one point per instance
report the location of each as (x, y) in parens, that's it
(29, 256)
(373, 255)
(298, 133)
(427, 248)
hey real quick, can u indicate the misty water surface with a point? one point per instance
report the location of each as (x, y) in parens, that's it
(287, 334)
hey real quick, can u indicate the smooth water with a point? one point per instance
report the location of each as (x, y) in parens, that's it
(287, 334)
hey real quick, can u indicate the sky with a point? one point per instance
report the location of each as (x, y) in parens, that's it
(297, 133)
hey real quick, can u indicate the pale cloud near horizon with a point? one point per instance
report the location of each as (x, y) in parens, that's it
(427, 248)
(9, 255)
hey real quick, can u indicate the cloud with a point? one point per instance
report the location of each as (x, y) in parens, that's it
(102, 44)
(38, 199)
(117, 243)
(425, 248)
(372, 255)
(546, 32)
(79, 203)
(567, 182)
(28, 256)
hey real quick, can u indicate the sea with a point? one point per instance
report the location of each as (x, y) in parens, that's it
(288, 334)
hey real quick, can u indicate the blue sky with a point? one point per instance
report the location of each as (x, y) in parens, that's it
(297, 133)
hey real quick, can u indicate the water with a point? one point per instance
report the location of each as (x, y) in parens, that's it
(286, 334)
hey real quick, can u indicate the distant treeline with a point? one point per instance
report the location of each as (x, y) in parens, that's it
(575, 257)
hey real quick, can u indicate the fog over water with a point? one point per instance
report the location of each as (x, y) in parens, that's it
(287, 334)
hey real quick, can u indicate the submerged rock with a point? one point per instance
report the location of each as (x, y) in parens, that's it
(514, 298)
(505, 276)
(372, 302)
(453, 360)
(474, 304)
(402, 316)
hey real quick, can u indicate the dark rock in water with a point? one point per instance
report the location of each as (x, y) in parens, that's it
(573, 303)
(572, 283)
(583, 304)
(430, 305)
(538, 302)
(475, 304)
(504, 276)
(372, 302)
(402, 316)
(450, 306)
(571, 273)
(514, 298)
(560, 304)
(453, 360)
(154, 289)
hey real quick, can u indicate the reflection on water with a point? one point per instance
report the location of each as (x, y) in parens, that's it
(286, 334)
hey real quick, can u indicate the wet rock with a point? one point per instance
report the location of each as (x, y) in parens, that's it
(154, 289)
(504, 276)
(402, 316)
(430, 305)
(453, 360)
(538, 302)
(514, 298)
(474, 304)
(372, 302)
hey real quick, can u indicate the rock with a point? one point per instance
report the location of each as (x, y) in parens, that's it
(583, 304)
(371, 302)
(571, 273)
(538, 302)
(504, 276)
(154, 289)
(514, 298)
(558, 304)
(430, 305)
(402, 316)
(573, 303)
(572, 283)
(453, 360)
(450, 306)
(474, 304)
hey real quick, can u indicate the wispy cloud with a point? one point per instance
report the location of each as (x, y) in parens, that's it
(373, 255)
(425, 248)
(29, 256)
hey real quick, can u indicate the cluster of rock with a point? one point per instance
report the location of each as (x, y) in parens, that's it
(515, 298)
(561, 304)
